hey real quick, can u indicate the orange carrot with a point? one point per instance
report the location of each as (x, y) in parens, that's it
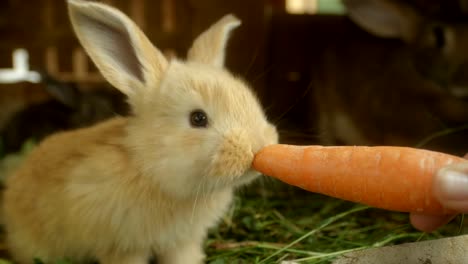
(392, 178)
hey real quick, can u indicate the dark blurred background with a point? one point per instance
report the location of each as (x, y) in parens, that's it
(359, 72)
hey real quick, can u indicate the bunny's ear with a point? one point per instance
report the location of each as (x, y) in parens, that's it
(122, 53)
(384, 18)
(210, 46)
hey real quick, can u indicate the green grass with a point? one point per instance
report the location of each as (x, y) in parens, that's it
(273, 222)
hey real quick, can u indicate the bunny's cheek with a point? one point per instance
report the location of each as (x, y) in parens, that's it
(233, 158)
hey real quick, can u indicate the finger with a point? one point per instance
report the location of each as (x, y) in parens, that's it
(428, 223)
(451, 186)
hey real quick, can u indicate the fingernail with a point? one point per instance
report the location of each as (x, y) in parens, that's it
(453, 185)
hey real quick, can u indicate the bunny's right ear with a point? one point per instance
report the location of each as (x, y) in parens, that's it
(210, 46)
(122, 53)
(384, 18)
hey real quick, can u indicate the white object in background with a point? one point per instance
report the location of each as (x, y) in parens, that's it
(301, 6)
(438, 251)
(20, 71)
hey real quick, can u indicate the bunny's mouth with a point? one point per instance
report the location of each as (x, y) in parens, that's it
(233, 169)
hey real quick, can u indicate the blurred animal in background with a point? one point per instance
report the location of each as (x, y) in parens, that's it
(391, 73)
(67, 107)
(418, 86)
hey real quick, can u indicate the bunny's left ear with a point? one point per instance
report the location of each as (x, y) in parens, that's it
(210, 46)
(122, 53)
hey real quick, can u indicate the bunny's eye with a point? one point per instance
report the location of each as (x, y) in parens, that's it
(198, 118)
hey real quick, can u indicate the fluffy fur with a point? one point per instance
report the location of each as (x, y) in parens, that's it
(150, 184)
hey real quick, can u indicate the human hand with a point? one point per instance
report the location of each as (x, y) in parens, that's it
(451, 189)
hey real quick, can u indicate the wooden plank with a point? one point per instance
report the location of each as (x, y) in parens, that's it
(79, 64)
(51, 60)
(137, 12)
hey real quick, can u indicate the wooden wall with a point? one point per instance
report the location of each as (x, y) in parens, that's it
(42, 27)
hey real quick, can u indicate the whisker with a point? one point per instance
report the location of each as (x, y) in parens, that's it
(252, 61)
(302, 132)
(263, 73)
(204, 192)
(441, 133)
(307, 90)
(217, 182)
(196, 199)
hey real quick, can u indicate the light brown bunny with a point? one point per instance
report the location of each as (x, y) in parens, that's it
(149, 184)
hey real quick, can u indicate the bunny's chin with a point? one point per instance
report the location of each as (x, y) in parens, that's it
(233, 180)
(249, 176)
